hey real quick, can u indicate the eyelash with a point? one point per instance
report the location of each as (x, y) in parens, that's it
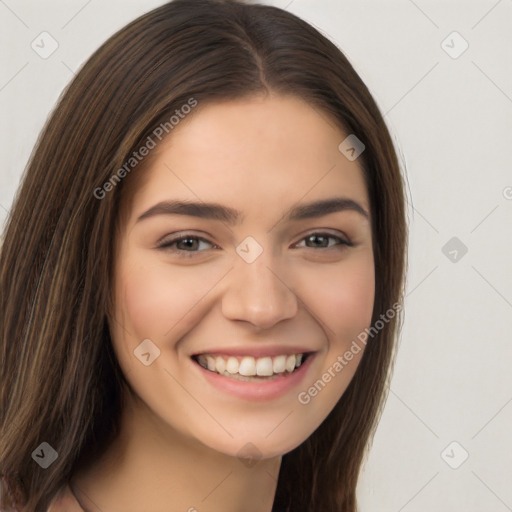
(166, 246)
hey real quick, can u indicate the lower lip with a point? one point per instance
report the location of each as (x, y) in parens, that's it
(260, 391)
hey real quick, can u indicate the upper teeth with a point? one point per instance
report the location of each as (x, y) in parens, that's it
(249, 366)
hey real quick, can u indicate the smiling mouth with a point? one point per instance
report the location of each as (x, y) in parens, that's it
(247, 368)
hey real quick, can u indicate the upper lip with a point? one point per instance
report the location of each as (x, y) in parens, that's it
(261, 351)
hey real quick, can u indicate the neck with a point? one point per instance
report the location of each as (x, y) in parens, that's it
(151, 466)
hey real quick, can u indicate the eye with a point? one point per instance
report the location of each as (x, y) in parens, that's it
(188, 245)
(185, 246)
(322, 240)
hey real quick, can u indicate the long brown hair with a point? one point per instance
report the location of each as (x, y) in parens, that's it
(61, 383)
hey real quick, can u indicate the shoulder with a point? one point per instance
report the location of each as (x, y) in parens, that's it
(65, 501)
(10, 498)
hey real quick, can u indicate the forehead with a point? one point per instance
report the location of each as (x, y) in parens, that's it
(253, 153)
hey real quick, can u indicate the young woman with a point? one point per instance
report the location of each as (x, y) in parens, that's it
(201, 275)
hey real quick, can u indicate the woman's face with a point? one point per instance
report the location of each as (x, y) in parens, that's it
(265, 273)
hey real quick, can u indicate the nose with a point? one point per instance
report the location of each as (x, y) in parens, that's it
(258, 294)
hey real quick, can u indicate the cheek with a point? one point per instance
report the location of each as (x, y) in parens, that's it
(345, 307)
(156, 300)
(148, 302)
(346, 302)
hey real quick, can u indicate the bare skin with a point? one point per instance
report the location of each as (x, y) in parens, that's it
(182, 438)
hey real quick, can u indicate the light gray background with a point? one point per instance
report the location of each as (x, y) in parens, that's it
(452, 122)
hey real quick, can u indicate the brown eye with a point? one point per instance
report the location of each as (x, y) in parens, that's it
(185, 245)
(322, 241)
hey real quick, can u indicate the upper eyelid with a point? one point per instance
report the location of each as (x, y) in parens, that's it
(178, 238)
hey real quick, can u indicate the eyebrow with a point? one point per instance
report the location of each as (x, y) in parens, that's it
(231, 216)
